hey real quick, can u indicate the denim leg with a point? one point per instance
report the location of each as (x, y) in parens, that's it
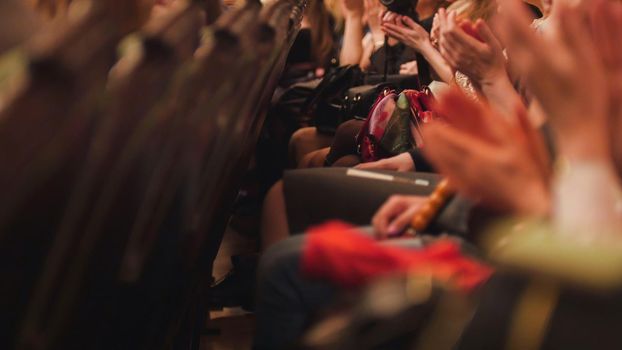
(286, 301)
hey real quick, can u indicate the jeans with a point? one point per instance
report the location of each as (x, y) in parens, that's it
(286, 300)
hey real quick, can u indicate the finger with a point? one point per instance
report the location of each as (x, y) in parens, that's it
(402, 221)
(469, 28)
(475, 169)
(394, 31)
(381, 15)
(407, 21)
(389, 17)
(454, 47)
(467, 115)
(442, 18)
(382, 218)
(396, 28)
(485, 33)
(574, 34)
(450, 151)
(451, 20)
(458, 39)
(386, 15)
(458, 110)
(449, 55)
(605, 22)
(391, 33)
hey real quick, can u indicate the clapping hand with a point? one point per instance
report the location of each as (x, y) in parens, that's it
(404, 29)
(502, 163)
(471, 48)
(565, 73)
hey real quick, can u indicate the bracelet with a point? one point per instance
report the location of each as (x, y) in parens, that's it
(433, 204)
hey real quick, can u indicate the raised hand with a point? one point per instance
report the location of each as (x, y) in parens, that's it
(373, 13)
(472, 49)
(502, 163)
(606, 25)
(352, 8)
(411, 34)
(407, 31)
(565, 73)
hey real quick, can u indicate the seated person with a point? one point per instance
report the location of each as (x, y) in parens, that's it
(501, 163)
(368, 52)
(441, 58)
(496, 87)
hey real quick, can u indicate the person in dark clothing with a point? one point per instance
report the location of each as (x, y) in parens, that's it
(400, 54)
(314, 49)
(287, 301)
(305, 141)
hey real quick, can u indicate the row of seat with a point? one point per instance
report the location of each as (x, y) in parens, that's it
(118, 176)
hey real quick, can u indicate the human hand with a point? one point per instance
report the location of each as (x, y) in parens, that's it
(395, 215)
(435, 32)
(472, 49)
(352, 8)
(402, 162)
(407, 31)
(488, 158)
(606, 17)
(389, 17)
(564, 72)
(409, 68)
(163, 7)
(373, 12)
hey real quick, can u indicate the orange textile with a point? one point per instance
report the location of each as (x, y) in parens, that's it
(337, 252)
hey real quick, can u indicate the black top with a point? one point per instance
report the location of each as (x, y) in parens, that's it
(301, 48)
(400, 54)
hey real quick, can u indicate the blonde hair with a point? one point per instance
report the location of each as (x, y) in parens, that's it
(474, 9)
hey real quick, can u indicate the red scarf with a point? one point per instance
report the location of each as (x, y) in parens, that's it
(336, 252)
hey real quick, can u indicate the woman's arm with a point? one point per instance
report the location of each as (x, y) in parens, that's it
(438, 63)
(352, 48)
(368, 48)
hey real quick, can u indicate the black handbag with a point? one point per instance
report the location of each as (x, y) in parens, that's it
(357, 100)
(400, 81)
(324, 104)
(355, 104)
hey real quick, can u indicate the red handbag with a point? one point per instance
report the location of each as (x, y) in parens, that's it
(393, 125)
